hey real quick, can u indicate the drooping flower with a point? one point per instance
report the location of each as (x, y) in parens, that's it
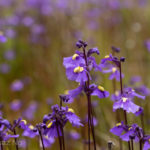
(126, 104)
(57, 120)
(98, 91)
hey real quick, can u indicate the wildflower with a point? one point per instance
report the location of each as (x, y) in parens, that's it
(146, 143)
(98, 91)
(3, 39)
(15, 105)
(114, 72)
(57, 120)
(30, 111)
(17, 85)
(126, 104)
(118, 129)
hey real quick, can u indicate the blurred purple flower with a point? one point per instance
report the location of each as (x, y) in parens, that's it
(9, 54)
(27, 21)
(17, 85)
(30, 111)
(3, 39)
(147, 44)
(15, 105)
(74, 135)
(10, 33)
(4, 68)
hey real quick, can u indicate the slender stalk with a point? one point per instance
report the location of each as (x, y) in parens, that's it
(1, 143)
(41, 137)
(90, 114)
(59, 138)
(109, 145)
(121, 88)
(132, 147)
(142, 122)
(63, 138)
(140, 145)
(16, 141)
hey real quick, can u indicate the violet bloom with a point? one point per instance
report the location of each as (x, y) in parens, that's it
(131, 93)
(47, 141)
(4, 68)
(57, 120)
(147, 44)
(30, 111)
(143, 90)
(17, 85)
(15, 105)
(75, 68)
(133, 131)
(3, 39)
(126, 104)
(114, 72)
(118, 129)
(9, 55)
(146, 143)
(98, 91)
(74, 135)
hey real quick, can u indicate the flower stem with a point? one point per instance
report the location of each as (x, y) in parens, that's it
(109, 145)
(121, 88)
(132, 144)
(1, 143)
(59, 138)
(90, 111)
(16, 141)
(142, 122)
(41, 137)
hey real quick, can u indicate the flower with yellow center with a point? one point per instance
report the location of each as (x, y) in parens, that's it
(114, 69)
(124, 99)
(74, 56)
(31, 127)
(25, 122)
(107, 56)
(101, 88)
(78, 69)
(66, 92)
(70, 110)
(130, 128)
(118, 124)
(49, 125)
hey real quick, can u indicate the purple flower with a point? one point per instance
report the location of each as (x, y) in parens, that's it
(57, 120)
(9, 55)
(147, 44)
(131, 93)
(75, 68)
(4, 68)
(15, 105)
(114, 72)
(47, 141)
(146, 143)
(118, 129)
(126, 104)
(143, 90)
(133, 131)
(17, 85)
(30, 111)
(98, 91)
(74, 135)
(3, 39)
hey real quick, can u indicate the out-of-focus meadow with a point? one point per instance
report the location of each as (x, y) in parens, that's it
(41, 32)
